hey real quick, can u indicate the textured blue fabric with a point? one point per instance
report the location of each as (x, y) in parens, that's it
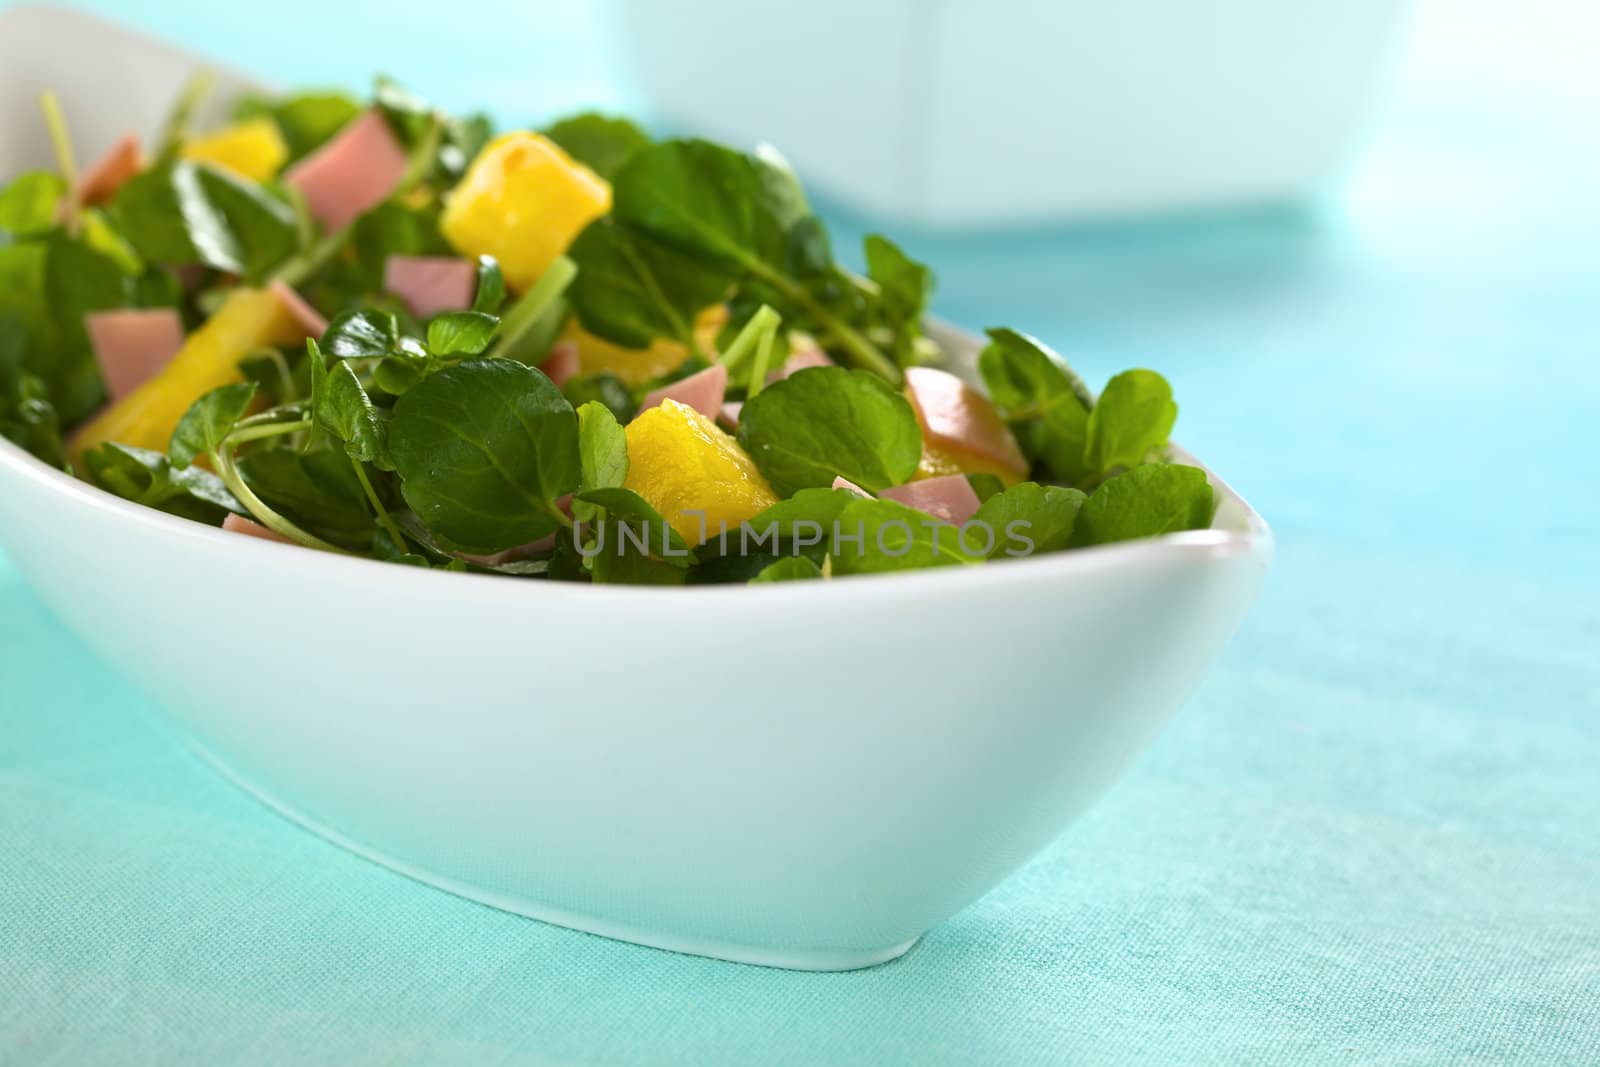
(1370, 838)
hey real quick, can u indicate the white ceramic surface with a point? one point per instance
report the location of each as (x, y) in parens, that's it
(1006, 112)
(805, 774)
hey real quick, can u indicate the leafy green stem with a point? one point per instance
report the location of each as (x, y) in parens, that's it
(55, 121)
(758, 370)
(762, 324)
(384, 519)
(532, 305)
(176, 128)
(228, 471)
(860, 351)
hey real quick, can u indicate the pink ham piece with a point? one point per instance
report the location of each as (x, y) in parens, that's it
(101, 181)
(132, 345)
(353, 173)
(307, 317)
(431, 284)
(949, 497)
(955, 417)
(561, 363)
(846, 483)
(702, 391)
(799, 360)
(240, 525)
(728, 417)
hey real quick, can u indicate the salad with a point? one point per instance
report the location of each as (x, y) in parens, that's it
(575, 353)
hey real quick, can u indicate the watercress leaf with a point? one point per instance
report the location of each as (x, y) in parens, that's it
(708, 201)
(483, 450)
(461, 333)
(27, 417)
(632, 290)
(213, 240)
(655, 536)
(384, 548)
(408, 115)
(635, 568)
(1024, 375)
(804, 515)
(788, 569)
(904, 286)
(602, 448)
(876, 536)
(781, 193)
(1047, 404)
(208, 421)
(317, 490)
(145, 211)
(985, 485)
(1029, 518)
(364, 334)
(826, 422)
(341, 407)
(261, 229)
(306, 120)
(1145, 501)
(149, 478)
(464, 137)
(605, 388)
(399, 374)
(1131, 419)
(28, 205)
(600, 142)
(490, 291)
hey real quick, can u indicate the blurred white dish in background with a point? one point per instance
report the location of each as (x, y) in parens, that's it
(1005, 112)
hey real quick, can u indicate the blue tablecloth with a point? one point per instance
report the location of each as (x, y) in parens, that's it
(1372, 837)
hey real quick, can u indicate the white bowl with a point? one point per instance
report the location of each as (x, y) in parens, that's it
(1010, 112)
(804, 774)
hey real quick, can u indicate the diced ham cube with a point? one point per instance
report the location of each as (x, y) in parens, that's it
(132, 345)
(728, 417)
(800, 359)
(950, 497)
(956, 418)
(703, 391)
(846, 483)
(102, 180)
(561, 363)
(431, 284)
(351, 174)
(309, 318)
(250, 528)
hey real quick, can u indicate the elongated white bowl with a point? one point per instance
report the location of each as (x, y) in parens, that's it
(805, 774)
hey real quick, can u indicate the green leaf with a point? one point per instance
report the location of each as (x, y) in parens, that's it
(341, 406)
(656, 537)
(827, 422)
(1047, 404)
(1146, 501)
(1028, 519)
(604, 388)
(145, 210)
(149, 478)
(483, 450)
(364, 334)
(985, 485)
(602, 451)
(208, 421)
(461, 333)
(807, 515)
(317, 490)
(28, 205)
(904, 286)
(788, 569)
(27, 417)
(600, 142)
(631, 290)
(706, 200)
(1132, 419)
(306, 120)
(878, 536)
(490, 292)
(260, 229)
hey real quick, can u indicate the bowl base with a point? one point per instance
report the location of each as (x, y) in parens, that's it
(732, 951)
